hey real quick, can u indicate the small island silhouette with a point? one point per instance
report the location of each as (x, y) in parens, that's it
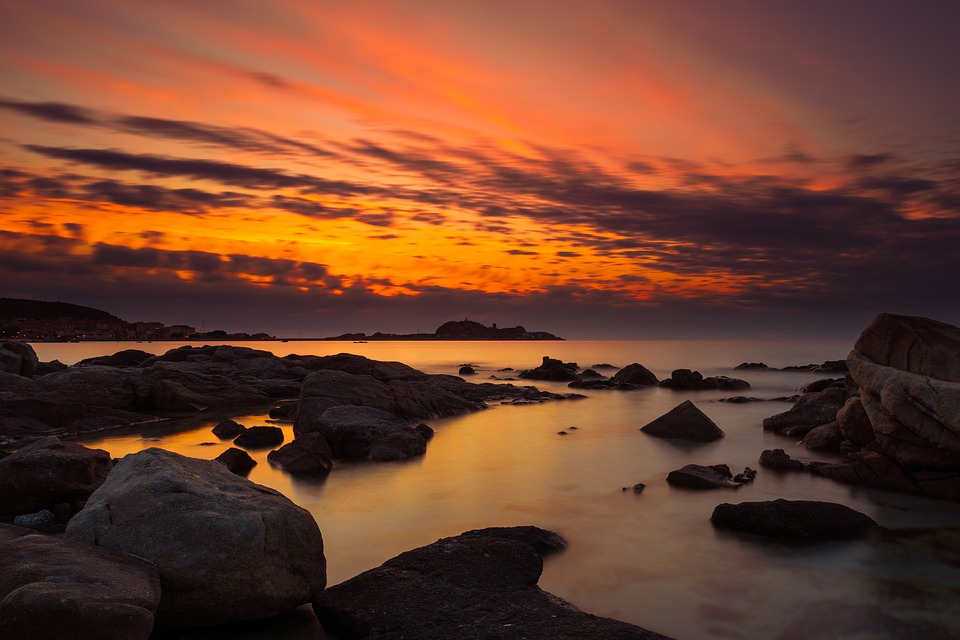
(456, 330)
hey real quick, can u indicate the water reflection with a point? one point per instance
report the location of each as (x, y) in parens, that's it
(652, 558)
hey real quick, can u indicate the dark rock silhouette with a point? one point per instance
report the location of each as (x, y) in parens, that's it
(684, 422)
(794, 520)
(480, 584)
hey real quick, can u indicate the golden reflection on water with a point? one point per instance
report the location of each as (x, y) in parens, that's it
(652, 558)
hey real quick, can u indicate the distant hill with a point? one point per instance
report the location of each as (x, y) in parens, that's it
(11, 308)
(456, 330)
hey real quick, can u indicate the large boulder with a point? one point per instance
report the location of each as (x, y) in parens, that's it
(18, 358)
(227, 549)
(684, 422)
(52, 588)
(360, 433)
(48, 472)
(480, 584)
(920, 345)
(793, 520)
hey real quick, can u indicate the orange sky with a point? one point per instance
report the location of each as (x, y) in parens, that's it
(380, 165)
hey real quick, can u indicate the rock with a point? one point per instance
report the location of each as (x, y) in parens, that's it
(18, 358)
(53, 366)
(43, 520)
(426, 431)
(484, 586)
(226, 549)
(52, 588)
(635, 373)
(687, 380)
(467, 370)
(740, 399)
(307, 454)
(125, 358)
(778, 460)
(237, 461)
(591, 374)
(696, 476)
(684, 422)
(360, 433)
(552, 369)
(753, 366)
(826, 437)
(854, 424)
(49, 471)
(794, 520)
(259, 438)
(227, 429)
(919, 345)
(809, 411)
(821, 384)
(286, 409)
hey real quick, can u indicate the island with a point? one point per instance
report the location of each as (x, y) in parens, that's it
(455, 330)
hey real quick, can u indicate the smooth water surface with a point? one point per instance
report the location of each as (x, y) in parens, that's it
(651, 558)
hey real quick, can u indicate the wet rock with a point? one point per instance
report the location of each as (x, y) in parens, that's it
(49, 471)
(259, 438)
(485, 583)
(52, 588)
(361, 433)
(826, 437)
(237, 461)
(635, 373)
(684, 422)
(553, 370)
(226, 429)
(810, 410)
(794, 520)
(696, 476)
(308, 454)
(687, 380)
(226, 549)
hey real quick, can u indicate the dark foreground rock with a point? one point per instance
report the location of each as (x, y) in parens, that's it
(810, 411)
(716, 476)
(50, 472)
(51, 588)
(18, 358)
(227, 549)
(237, 461)
(794, 520)
(684, 422)
(479, 585)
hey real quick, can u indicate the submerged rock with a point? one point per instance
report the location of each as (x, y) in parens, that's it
(226, 549)
(684, 422)
(480, 584)
(794, 520)
(53, 588)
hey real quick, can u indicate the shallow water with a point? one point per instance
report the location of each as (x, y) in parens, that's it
(652, 558)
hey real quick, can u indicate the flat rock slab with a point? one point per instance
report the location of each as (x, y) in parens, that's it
(684, 422)
(52, 588)
(794, 520)
(476, 586)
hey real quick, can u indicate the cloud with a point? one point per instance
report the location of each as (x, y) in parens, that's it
(51, 111)
(866, 161)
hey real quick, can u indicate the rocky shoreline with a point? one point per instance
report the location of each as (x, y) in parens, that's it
(177, 542)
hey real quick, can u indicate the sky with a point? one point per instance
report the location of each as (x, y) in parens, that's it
(593, 168)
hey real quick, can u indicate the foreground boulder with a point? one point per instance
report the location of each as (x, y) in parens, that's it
(50, 472)
(478, 585)
(684, 422)
(794, 520)
(18, 358)
(227, 549)
(51, 588)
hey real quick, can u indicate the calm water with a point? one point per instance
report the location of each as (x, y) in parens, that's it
(653, 558)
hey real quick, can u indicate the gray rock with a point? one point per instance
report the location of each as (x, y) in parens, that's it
(308, 454)
(684, 422)
(357, 433)
(227, 549)
(919, 345)
(794, 520)
(41, 520)
(809, 411)
(52, 588)
(478, 585)
(49, 471)
(854, 424)
(826, 437)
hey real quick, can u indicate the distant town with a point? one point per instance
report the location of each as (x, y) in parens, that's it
(39, 321)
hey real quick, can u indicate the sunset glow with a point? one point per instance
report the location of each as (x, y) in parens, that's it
(634, 167)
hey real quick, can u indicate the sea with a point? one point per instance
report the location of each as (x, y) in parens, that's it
(650, 558)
